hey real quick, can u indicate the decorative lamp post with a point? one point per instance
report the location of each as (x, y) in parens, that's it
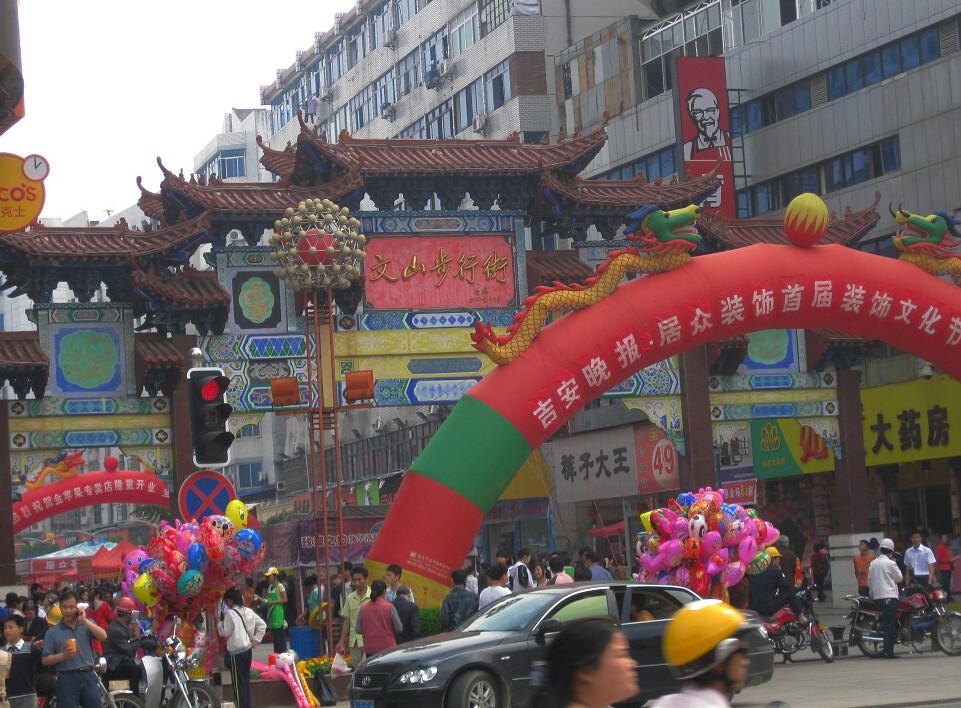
(319, 250)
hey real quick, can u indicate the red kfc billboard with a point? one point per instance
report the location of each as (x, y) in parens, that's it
(705, 127)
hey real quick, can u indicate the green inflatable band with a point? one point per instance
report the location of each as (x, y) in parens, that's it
(476, 453)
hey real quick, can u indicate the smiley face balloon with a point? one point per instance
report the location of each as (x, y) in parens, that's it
(237, 512)
(146, 590)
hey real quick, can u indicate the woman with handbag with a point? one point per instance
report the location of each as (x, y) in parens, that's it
(243, 629)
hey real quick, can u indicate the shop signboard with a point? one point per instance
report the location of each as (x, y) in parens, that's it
(742, 491)
(705, 134)
(912, 421)
(612, 463)
(786, 447)
(21, 190)
(440, 272)
(358, 537)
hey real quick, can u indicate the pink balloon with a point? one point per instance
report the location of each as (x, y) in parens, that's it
(718, 562)
(672, 552)
(682, 576)
(771, 534)
(732, 574)
(651, 562)
(710, 544)
(681, 528)
(735, 530)
(746, 550)
(663, 520)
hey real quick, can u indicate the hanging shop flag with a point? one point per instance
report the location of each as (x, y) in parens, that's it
(912, 421)
(705, 127)
(786, 447)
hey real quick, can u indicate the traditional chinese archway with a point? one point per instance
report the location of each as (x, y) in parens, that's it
(516, 408)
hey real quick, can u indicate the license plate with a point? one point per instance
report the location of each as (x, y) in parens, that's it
(361, 704)
(118, 685)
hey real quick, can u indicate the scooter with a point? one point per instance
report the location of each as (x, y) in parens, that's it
(922, 613)
(789, 636)
(170, 670)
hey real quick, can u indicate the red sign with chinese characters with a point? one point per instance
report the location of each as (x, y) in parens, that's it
(743, 491)
(705, 134)
(657, 468)
(440, 272)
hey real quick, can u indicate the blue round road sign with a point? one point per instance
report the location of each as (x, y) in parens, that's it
(205, 493)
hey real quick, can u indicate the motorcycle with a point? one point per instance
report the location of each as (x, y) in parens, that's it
(789, 636)
(922, 613)
(169, 670)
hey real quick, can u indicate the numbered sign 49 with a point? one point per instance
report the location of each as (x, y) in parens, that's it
(657, 468)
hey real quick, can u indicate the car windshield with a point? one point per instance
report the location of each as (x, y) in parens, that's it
(510, 614)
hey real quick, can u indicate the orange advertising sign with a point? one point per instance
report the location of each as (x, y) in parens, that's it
(21, 190)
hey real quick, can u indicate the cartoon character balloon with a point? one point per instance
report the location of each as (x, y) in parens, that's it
(237, 513)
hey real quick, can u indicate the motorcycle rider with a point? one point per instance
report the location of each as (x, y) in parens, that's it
(883, 578)
(121, 645)
(704, 645)
(771, 589)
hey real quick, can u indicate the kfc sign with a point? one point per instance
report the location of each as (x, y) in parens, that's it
(705, 127)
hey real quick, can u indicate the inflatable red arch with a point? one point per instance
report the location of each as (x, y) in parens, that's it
(500, 421)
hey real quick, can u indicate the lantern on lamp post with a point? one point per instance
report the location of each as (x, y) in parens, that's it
(319, 249)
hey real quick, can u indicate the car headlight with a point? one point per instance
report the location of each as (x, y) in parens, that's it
(419, 675)
(763, 632)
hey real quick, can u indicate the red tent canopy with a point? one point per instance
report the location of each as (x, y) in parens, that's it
(609, 530)
(108, 565)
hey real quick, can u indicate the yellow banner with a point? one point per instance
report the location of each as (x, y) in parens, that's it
(914, 420)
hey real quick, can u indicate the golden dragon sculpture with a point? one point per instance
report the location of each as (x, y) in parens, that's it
(929, 242)
(64, 466)
(664, 240)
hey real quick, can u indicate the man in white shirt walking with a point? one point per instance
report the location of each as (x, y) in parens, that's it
(919, 562)
(883, 579)
(496, 586)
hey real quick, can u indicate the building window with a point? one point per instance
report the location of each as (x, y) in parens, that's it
(846, 170)
(497, 86)
(464, 31)
(357, 44)
(468, 103)
(336, 63)
(414, 131)
(251, 430)
(405, 9)
(696, 33)
(493, 13)
(232, 163)
(408, 73)
(440, 121)
(435, 50)
(249, 474)
(384, 92)
(657, 164)
(853, 75)
(360, 109)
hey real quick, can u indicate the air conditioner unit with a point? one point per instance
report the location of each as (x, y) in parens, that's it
(446, 69)
(480, 123)
(388, 112)
(326, 94)
(390, 38)
(281, 487)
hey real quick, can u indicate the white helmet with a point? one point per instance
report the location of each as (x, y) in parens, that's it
(886, 544)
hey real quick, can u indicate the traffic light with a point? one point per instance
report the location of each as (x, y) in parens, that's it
(208, 416)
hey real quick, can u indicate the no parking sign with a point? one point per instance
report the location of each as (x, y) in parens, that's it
(205, 493)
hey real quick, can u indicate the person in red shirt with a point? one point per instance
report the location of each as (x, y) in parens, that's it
(945, 559)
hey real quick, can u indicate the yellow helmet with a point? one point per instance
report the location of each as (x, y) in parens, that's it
(54, 615)
(772, 552)
(702, 635)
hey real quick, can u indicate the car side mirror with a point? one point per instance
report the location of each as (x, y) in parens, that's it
(546, 627)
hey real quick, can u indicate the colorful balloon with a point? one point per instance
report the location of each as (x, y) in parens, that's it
(237, 513)
(197, 557)
(190, 583)
(146, 590)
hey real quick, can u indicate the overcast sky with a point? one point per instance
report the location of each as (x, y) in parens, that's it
(110, 85)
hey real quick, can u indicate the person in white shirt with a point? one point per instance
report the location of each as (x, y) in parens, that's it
(705, 646)
(496, 586)
(883, 579)
(243, 629)
(919, 562)
(471, 582)
(519, 574)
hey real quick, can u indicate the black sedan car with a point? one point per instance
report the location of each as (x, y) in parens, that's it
(486, 661)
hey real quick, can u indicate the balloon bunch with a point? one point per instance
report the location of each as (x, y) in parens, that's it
(187, 567)
(703, 543)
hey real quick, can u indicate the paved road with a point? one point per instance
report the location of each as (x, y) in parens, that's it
(855, 681)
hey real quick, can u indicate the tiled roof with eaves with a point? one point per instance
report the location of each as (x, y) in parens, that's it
(630, 194)
(746, 232)
(187, 288)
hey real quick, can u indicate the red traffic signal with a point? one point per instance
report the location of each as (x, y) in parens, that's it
(209, 413)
